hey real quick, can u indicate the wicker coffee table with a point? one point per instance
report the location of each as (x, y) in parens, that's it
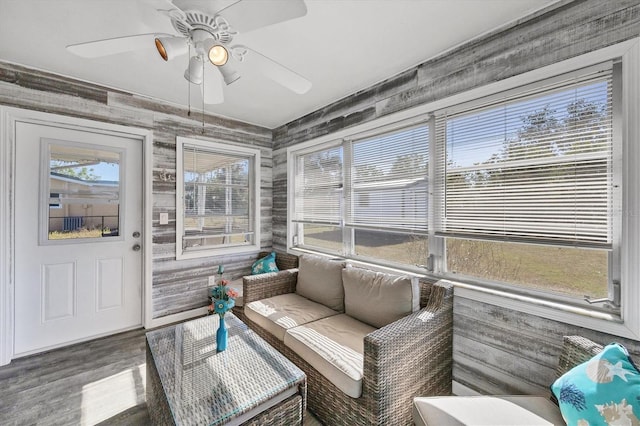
(189, 383)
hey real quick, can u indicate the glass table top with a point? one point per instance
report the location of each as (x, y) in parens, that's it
(203, 386)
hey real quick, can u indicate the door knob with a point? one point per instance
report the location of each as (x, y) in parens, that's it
(136, 247)
(136, 234)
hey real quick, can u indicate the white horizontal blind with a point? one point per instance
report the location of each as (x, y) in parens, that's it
(536, 169)
(388, 186)
(318, 187)
(217, 198)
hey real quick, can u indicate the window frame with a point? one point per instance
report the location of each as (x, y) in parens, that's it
(541, 88)
(627, 323)
(45, 193)
(294, 225)
(254, 190)
(344, 141)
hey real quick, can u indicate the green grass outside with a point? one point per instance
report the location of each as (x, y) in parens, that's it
(570, 271)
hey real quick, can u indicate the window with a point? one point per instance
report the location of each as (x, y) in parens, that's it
(318, 199)
(390, 170)
(217, 200)
(523, 184)
(83, 192)
(528, 188)
(524, 191)
(365, 197)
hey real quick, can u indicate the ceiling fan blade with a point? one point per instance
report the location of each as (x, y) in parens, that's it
(111, 46)
(175, 12)
(245, 16)
(210, 7)
(211, 88)
(277, 72)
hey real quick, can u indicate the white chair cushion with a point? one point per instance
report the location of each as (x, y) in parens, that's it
(520, 410)
(279, 313)
(334, 346)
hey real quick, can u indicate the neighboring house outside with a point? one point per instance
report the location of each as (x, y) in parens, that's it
(402, 198)
(83, 204)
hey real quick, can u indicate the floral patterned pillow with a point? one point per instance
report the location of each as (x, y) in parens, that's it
(264, 265)
(602, 391)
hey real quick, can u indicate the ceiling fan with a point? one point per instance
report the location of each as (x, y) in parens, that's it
(205, 31)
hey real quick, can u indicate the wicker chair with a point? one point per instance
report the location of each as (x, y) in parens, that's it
(575, 351)
(504, 409)
(407, 358)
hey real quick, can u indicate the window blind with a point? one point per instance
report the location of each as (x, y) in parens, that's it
(318, 187)
(217, 196)
(535, 169)
(388, 181)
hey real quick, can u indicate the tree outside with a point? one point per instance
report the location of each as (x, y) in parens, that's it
(547, 132)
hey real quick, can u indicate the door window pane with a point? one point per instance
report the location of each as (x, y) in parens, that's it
(83, 192)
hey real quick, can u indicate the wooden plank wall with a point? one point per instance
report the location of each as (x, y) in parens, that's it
(177, 285)
(502, 351)
(495, 350)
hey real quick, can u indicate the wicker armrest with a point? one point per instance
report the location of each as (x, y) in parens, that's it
(410, 357)
(262, 286)
(283, 260)
(575, 350)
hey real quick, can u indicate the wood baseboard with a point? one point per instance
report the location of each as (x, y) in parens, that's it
(462, 390)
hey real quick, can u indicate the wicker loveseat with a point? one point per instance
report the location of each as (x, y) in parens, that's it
(409, 357)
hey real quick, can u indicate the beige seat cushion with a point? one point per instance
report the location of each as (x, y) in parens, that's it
(379, 299)
(334, 346)
(320, 280)
(518, 410)
(279, 313)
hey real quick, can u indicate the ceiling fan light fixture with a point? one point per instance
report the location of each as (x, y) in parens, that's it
(229, 75)
(170, 47)
(193, 74)
(218, 55)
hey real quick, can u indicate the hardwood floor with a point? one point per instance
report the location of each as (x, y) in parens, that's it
(101, 381)
(97, 382)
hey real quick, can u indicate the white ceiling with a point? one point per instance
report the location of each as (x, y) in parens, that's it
(341, 46)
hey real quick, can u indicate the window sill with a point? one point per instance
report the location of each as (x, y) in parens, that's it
(217, 251)
(553, 310)
(581, 317)
(361, 263)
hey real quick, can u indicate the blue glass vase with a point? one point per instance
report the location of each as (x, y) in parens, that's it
(221, 336)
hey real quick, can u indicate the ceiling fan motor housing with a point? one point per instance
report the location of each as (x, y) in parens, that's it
(215, 26)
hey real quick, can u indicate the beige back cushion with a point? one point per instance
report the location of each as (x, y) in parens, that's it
(379, 299)
(320, 280)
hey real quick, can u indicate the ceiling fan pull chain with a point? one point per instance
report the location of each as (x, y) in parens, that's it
(189, 84)
(203, 92)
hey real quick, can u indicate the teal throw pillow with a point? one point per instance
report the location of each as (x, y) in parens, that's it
(264, 265)
(602, 391)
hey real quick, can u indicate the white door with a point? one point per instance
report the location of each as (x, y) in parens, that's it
(78, 225)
